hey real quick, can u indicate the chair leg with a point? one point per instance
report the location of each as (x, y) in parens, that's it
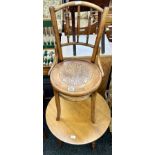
(57, 102)
(93, 99)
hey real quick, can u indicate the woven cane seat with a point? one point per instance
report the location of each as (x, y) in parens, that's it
(76, 77)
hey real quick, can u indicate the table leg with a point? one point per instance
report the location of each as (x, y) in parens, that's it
(93, 145)
(93, 100)
(59, 142)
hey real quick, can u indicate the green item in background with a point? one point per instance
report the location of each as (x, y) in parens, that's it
(45, 60)
(45, 53)
(49, 61)
(52, 44)
(47, 23)
(48, 46)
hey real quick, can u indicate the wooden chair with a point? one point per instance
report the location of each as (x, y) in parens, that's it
(75, 79)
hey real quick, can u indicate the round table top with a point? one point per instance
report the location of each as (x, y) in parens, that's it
(75, 126)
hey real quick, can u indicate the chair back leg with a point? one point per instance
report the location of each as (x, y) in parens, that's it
(93, 99)
(57, 102)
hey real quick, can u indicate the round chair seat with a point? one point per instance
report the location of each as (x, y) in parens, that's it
(76, 77)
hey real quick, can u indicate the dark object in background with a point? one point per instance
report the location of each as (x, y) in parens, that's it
(48, 94)
(48, 91)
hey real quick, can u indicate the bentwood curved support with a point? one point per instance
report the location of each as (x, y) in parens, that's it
(76, 80)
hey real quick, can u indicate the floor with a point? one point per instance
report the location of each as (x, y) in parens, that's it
(103, 146)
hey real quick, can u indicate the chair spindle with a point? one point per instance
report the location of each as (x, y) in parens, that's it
(89, 26)
(67, 23)
(78, 23)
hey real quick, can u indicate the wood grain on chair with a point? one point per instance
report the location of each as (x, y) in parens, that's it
(77, 79)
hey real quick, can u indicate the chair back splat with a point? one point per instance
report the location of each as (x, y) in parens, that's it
(96, 17)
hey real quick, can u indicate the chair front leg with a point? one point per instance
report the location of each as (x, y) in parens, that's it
(57, 102)
(93, 100)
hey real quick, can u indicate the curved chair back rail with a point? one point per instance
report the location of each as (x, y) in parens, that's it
(68, 18)
(79, 3)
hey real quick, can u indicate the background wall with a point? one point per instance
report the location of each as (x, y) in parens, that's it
(46, 4)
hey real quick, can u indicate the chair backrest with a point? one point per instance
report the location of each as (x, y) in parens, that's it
(96, 24)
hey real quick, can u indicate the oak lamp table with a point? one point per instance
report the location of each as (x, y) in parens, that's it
(75, 126)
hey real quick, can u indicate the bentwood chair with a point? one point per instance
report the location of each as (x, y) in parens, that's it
(75, 79)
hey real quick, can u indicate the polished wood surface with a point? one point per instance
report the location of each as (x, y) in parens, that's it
(76, 77)
(94, 26)
(75, 126)
(106, 63)
(100, 33)
(68, 18)
(79, 3)
(93, 104)
(58, 50)
(101, 3)
(57, 103)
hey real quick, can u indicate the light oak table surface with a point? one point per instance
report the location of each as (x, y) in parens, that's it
(75, 126)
